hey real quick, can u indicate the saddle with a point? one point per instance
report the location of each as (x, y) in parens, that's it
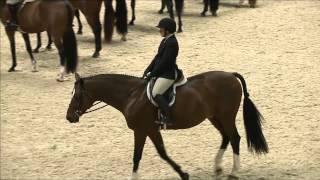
(170, 94)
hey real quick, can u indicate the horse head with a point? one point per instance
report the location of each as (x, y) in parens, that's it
(80, 102)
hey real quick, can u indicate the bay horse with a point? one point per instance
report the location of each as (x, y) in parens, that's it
(54, 17)
(48, 47)
(91, 10)
(214, 95)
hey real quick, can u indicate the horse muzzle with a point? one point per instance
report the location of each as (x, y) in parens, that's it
(73, 118)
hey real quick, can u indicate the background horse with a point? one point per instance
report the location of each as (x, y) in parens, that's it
(91, 10)
(48, 47)
(54, 17)
(213, 95)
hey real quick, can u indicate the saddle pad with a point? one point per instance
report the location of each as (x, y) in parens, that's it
(181, 82)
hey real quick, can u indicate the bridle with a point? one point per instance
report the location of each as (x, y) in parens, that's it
(78, 112)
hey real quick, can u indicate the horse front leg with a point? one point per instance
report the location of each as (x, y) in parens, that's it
(157, 140)
(95, 25)
(139, 141)
(29, 49)
(13, 49)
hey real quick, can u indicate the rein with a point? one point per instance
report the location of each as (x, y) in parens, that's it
(96, 108)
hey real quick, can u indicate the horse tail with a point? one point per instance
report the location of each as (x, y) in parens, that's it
(252, 122)
(121, 17)
(108, 20)
(70, 43)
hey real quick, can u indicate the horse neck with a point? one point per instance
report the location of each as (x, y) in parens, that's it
(114, 90)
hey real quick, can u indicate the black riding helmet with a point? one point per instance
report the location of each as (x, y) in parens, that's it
(167, 24)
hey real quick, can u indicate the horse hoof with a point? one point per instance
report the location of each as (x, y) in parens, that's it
(131, 23)
(160, 12)
(214, 14)
(12, 69)
(124, 38)
(180, 31)
(232, 177)
(35, 51)
(203, 14)
(185, 176)
(79, 32)
(218, 171)
(60, 79)
(49, 48)
(96, 55)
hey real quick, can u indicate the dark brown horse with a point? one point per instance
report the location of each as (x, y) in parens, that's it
(212, 95)
(91, 10)
(54, 17)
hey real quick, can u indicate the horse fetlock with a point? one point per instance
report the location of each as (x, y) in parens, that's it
(134, 176)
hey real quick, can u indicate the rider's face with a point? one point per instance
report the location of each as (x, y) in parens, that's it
(162, 32)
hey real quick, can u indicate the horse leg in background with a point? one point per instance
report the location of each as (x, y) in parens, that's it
(170, 8)
(29, 49)
(205, 7)
(77, 14)
(214, 6)
(108, 20)
(252, 3)
(13, 49)
(157, 140)
(62, 72)
(163, 5)
(49, 41)
(179, 8)
(240, 3)
(139, 141)
(39, 43)
(223, 146)
(133, 12)
(95, 25)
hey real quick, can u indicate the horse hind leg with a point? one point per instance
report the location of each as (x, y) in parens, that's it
(29, 49)
(59, 45)
(230, 132)
(223, 147)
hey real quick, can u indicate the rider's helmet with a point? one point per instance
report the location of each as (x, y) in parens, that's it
(167, 24)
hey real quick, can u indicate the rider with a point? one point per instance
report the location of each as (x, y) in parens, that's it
(163, 66)
(13, 6)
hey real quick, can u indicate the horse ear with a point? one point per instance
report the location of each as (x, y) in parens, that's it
(77, 76)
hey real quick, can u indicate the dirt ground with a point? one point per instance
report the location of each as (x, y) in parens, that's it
(276, 46)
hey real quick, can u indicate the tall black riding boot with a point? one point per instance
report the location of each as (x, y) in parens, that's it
(164, 108)
(13, 23)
